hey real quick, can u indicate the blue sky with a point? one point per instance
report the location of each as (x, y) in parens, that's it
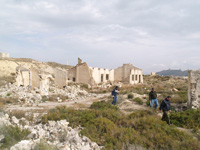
(151, 34)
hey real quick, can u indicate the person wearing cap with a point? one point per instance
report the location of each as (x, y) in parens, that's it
(165, 106)
(115, 92)
(153, 98)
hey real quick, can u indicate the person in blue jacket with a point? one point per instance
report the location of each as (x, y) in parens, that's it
(166, 108)
(115, 92)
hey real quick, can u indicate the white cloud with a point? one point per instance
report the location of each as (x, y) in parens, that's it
(153, 35)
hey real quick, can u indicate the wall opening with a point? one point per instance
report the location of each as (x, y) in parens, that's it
(74, 79)
(107, 76)
(139, 78)
(136, 77)
(133, 77)
(101, 77)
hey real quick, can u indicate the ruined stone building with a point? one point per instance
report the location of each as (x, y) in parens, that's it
(35, 78)
(194, 89)
(41, 76)
(4, 55)
(128, 74)
(82, 73)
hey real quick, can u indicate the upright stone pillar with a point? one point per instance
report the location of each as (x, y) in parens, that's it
(194, 89)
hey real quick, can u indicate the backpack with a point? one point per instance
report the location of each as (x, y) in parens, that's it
(113, 92)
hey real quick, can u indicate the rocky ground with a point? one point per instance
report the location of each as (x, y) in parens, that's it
(23, 107)
(56, 133)
(21, 104)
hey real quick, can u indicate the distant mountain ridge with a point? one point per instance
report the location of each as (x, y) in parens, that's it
(170, 72)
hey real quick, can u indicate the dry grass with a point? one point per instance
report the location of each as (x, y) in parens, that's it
(8, 100)
(6, 80)
(54, 65)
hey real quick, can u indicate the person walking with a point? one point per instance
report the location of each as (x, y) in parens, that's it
(115, 92)
(166, 108)
(153, 98)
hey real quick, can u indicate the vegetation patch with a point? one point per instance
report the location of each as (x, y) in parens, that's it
(102, 105)
(187, 119)
(105, 124)
(12, 136)
(130, 96)
(43, 145)
(138, 100)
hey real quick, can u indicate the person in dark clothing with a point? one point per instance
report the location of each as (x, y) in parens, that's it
(166, 108)
(115, 92)
(153, 98)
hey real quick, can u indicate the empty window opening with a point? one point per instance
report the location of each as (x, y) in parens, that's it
(139, 78)
(133, 77)
(101, 77)
(107, 76)
(74, 79)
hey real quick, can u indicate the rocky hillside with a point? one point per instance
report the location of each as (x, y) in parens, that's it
(170, 72)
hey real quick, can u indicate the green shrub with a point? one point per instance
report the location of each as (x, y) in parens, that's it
(130, 96)
(44, 98)
(148, 102)
(103, 105)
(110, 128)
(85, 86)
(43, 145)
(138, 100)
(55, 96)
(8, 94)
(12, 135)
(188, 119)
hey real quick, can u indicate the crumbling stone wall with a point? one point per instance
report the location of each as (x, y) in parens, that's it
(101, 75)
(35, 79)
(44, 83)
(60, 78)
(194, 89)
(23, 76)
(84, 74)
(72, 75)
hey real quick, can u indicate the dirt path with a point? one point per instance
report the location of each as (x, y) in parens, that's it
(80, 103)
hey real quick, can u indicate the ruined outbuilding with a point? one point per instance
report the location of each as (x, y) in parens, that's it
(153, 73)
(194, 89)
(4, 55)
(128, 74)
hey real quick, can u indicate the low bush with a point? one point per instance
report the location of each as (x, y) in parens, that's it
(18, 114)
(84, 86)
(138, 100)
(188, 119)
(110, 128)
(43, 145)
(8, 100)
(12, 135)
(9, 94)
(54, 97)
(44, 99)
(148, 102)
(103, 105)
(130, 96)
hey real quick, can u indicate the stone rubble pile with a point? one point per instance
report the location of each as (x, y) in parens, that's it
(27, 96)
(56, 133)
